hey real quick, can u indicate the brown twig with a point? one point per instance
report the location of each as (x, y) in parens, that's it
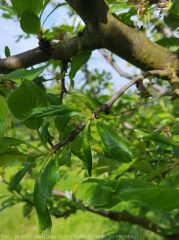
(112, 100)
(70, 137)
(113, 63)
(157, 73)
(104, 107)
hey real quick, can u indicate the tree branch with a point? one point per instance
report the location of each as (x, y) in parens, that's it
(116, 96)
(128, 43)
(122, 216)
(72, 135)
(113, 63)
(127, 217)
(103, 30)
(63, 50)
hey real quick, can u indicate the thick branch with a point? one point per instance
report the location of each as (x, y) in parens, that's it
(120, 216)
(103, 30)
(63, 50)
(126, 217)
(140, 221)
(128, 43)
(136, 48)
(92, 12)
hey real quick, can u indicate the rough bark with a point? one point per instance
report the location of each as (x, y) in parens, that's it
(103, 30)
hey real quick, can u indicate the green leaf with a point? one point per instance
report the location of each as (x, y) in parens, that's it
(148, 195)
(87, 149)
(18, 177)
(7, 51)
(156, 137)
(30, 23)
(4, 116)
(27, 209)
(51, 110)
(76, 146)
(117, 8)
(42, 190)
(8, 202)
(25, 98)
(44, 134)
(97, 194)
(11, 157)
(176, 152)
(62, 120)
(174, 10)
(114, 144)
(89, 102)
(175, 107)
(171, 43)
(65, 156)
(77, 61)
(21, 6)
(20, 74)
(6, 142)
(172, 20)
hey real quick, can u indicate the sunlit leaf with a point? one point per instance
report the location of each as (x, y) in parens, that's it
(7, 51)
(20, 74)
(28, 5)
(25, 98)
(77, 61)
(51, 110)
(30, 23)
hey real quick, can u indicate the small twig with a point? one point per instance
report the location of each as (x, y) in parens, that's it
(155, 73)
(58, 193)
(113, 63)
(102, 108)
(161, 91)
(70, 137)
(111, 101)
